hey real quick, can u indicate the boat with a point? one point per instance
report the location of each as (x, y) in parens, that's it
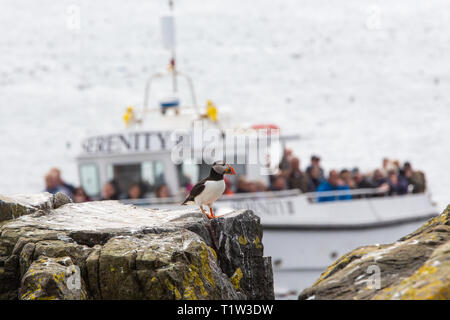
(302, 234)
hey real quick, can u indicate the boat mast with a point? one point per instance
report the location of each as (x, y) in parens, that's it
(172, 60)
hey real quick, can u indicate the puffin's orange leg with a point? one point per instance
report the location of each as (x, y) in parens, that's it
(213, 215)
(204, 212)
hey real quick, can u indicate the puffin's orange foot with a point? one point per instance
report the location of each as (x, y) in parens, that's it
(212, 216)
(205, 213)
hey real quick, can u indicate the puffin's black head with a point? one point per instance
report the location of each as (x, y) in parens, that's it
(222, 168)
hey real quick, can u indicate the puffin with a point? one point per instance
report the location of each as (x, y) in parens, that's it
(209, 189)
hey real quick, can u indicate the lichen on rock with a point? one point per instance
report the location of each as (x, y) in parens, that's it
(417, 266)
(52, 279)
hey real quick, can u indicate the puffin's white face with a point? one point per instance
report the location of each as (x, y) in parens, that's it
(223, 168)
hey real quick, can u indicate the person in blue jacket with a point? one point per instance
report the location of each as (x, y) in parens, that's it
(334, 183)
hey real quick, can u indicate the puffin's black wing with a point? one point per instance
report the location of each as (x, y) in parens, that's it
(195, 191)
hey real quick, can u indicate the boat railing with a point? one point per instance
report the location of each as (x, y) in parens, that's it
(155, 201)
(262, 194)
(349, 194)
(312, 197)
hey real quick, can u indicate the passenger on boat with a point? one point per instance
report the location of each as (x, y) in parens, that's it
(278, 183)
(378, 179)
(286, 160)
(389, 165)
(52, 185)
(315, 163)
(415, 178)
(334, 183)
(57, 173)
(361, 182)
(110, 191)
(135, 191)
(79, 195)
(162, 191)
(314, 178)
(242, 185)
(251, 186)
(296, 178)
(398, 184)
(260, 186)
(347, 178)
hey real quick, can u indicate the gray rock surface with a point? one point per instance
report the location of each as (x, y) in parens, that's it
(240, 250)
(18, 205)
(126, 252)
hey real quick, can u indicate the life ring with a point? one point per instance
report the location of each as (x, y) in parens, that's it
(269, 126)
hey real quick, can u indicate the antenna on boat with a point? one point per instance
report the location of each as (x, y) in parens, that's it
(171, 43)
(168, 40)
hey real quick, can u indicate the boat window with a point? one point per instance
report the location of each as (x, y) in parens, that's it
(149, 174)
(188, 172)
(153, 173)
(89, 179)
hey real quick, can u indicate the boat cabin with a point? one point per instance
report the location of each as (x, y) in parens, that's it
(149, 158)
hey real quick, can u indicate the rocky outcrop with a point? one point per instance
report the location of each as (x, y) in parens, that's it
(240, 253)
(107, 250)
(21, 204)
(417, 266)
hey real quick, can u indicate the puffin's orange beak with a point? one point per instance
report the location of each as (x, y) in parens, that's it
(230, 170)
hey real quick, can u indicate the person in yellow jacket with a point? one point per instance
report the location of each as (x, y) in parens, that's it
(211, 110)
(129, 117)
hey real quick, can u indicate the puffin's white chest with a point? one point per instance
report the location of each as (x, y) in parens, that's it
(213, 190)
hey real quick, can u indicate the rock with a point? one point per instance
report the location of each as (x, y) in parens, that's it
(168, 265)
(415, 267)
(52, 279)
(127, 252)
(240, 252)
(60, 199)
(20, 204)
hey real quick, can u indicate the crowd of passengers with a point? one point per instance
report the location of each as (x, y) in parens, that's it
(110, 190)
(391, 179)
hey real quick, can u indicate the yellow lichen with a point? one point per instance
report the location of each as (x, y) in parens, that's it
(47, 298)
(426, 269)
(243, 240)
(174, 289)
(205, 268)
(257, 243)
(58, 277)
(425, 284)
(197, 275)
(236, 278)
